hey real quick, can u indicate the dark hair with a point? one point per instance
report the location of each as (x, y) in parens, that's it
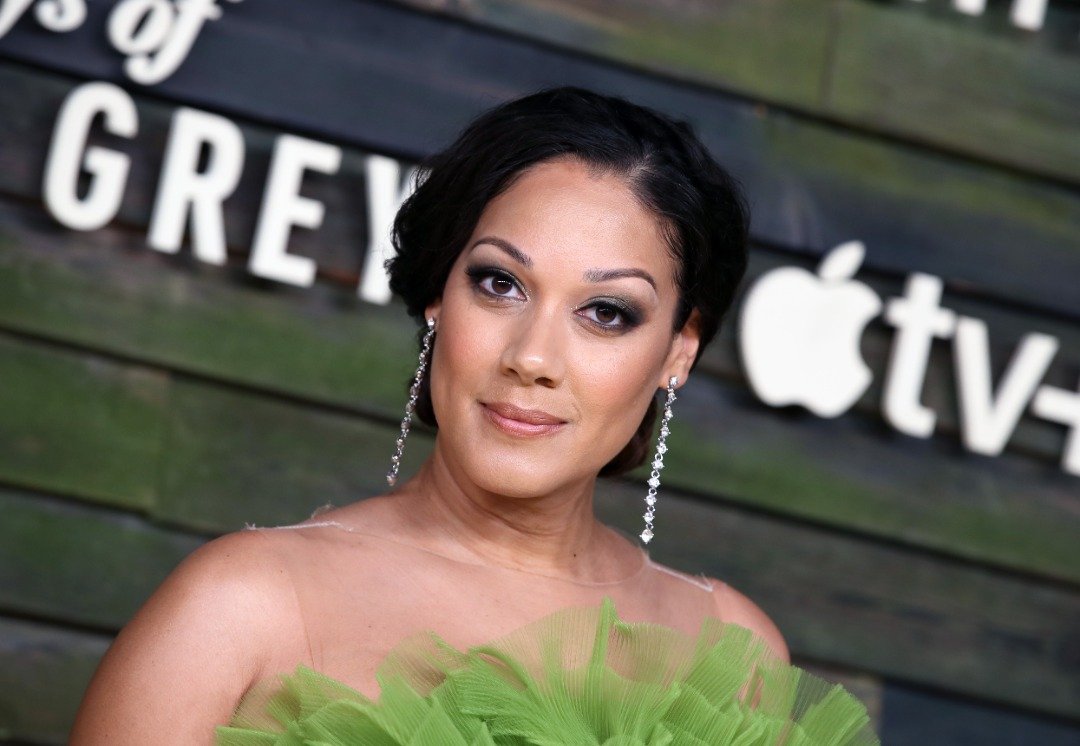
(704, 215)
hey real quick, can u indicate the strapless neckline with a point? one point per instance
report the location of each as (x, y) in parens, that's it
(578, 675)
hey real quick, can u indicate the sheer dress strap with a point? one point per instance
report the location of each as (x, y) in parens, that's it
(699, 581)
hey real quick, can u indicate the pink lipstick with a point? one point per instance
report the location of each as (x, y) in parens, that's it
(514, 420)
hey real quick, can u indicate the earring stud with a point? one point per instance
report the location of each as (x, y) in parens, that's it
(410, 406)
(658, 462)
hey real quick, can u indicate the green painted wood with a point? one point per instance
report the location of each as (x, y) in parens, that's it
(79, 424)
(898, 613)
(237, 458)
(43, 674)
(879, 66)
(80, 564)
(995, 97)
(918, 211)
(322, 342)
(777, 49)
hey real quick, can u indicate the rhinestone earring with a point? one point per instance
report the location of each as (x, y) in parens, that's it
(410, 407)
(658, 462)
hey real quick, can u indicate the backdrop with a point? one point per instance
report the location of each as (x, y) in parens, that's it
(881, 449)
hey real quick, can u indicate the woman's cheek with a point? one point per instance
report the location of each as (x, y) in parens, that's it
(616, 387)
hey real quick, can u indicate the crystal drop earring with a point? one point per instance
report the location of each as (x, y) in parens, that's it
(658, 462)
(410, 407)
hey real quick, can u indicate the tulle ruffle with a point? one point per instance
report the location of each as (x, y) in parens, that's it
(578, 676)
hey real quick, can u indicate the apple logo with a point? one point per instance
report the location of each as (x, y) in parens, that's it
(799, 333)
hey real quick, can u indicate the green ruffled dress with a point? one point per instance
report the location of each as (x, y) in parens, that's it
(577, 676)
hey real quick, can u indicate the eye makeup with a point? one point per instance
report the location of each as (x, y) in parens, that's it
(631, 317)
(478, 273)
(629, 312)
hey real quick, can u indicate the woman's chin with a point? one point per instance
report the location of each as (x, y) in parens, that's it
(517, 482)
(517, 475)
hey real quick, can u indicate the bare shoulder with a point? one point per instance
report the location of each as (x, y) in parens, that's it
(736, 607)
(181, 664)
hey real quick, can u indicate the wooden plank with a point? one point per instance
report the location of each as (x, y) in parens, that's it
(873, 607)
(1014, 511)
(923, 78)
(79, 564)
(43, 674)
(880, 67)
(237, 458)
(914, 716)
(992, 234)
(775, 50)
(812, 185)
(79, 424)
(321, 342)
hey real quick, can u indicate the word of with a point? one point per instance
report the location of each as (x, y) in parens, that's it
(154, 35)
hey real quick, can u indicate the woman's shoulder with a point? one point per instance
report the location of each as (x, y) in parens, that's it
(728, 604)
(734, 606)
(194, 646)
(240, 578)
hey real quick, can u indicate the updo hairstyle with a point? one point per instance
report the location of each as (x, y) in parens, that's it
(703, 214)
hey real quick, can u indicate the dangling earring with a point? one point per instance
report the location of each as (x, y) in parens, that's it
(658, 462)
(410, 407)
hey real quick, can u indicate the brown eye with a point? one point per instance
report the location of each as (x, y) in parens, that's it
(606, 314)
(501, 286)
(497, 284)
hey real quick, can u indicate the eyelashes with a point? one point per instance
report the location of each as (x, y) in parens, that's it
(477, 275)
(628, 316)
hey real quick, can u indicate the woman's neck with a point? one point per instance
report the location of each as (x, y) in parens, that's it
(555, 534)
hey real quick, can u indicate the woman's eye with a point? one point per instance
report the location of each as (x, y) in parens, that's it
(605, 315)
(498, 285)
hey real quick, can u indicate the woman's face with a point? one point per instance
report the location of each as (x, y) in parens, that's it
(562, 302)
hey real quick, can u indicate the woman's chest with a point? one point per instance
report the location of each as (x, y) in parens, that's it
(353, 614)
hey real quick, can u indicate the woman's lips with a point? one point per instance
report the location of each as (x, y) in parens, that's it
(514, 420)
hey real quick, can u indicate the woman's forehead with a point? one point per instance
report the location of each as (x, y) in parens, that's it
(563, 213)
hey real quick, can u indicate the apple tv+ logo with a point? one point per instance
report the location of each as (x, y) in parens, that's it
(799, 334)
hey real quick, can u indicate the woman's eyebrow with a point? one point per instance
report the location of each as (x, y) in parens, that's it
(599, 275)
(591, 275)
(509, 248)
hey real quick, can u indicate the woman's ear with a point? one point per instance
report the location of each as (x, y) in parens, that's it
(432, 309)
(684, 349)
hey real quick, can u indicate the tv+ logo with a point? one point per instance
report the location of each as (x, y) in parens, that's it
(799, 336)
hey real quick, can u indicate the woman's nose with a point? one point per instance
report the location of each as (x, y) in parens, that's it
(535, 351)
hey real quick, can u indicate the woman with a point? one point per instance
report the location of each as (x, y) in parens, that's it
(568, 257)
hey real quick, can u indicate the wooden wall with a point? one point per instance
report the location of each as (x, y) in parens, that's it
(149, 402)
